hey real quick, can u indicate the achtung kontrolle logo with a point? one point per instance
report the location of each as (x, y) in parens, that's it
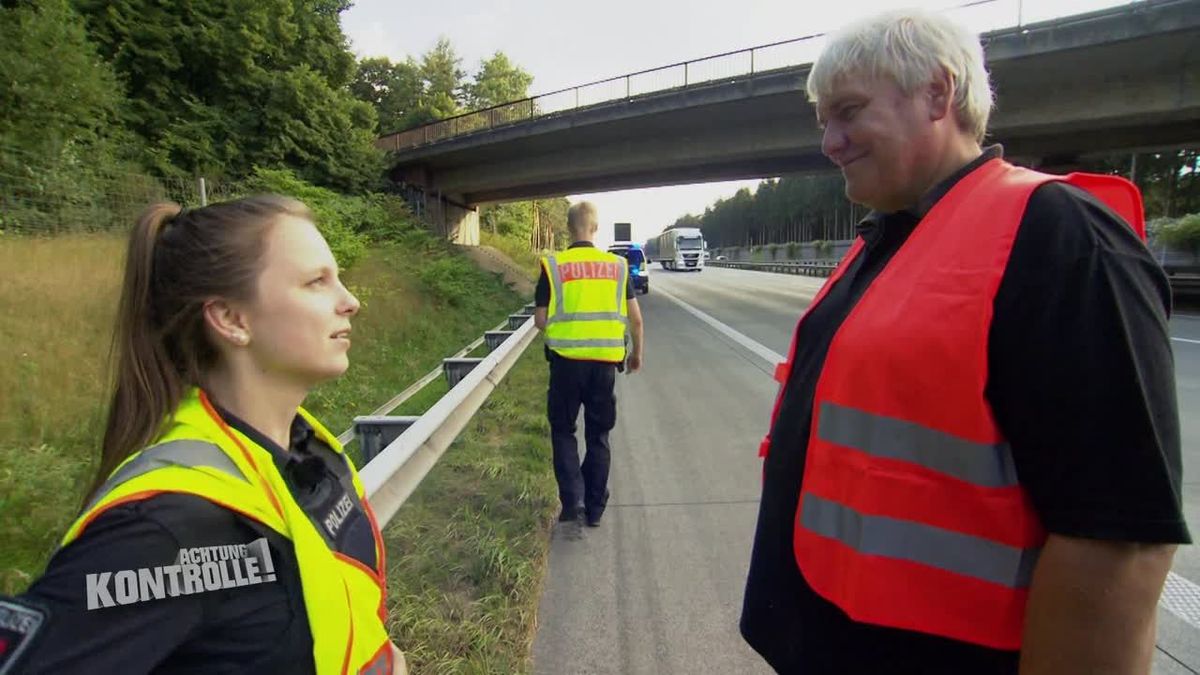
(195, 570)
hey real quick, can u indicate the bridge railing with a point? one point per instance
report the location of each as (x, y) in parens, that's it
(998, 15)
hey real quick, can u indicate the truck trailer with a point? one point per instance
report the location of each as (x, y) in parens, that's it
(680, 248)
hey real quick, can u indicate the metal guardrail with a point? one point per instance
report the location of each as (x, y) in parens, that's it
(1183, 284)
(812, 268)
(348, 435)
(709, 69)
(392, 475)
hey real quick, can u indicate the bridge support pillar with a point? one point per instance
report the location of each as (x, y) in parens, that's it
(452, 218)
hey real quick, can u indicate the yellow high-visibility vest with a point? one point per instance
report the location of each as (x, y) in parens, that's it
(588, 313)
(201, 455)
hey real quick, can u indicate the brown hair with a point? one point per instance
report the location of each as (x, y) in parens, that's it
(176, 261)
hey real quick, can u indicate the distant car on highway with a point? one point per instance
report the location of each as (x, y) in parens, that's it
(720, 258)
(639, 267)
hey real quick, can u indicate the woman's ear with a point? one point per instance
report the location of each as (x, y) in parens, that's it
(227, 322)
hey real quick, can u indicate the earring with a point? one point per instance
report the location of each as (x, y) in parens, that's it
(241, 338)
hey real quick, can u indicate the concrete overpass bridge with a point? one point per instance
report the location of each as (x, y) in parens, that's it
(1122, 79)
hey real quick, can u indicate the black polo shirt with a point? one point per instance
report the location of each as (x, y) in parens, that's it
(251, 629)
(1081, 381)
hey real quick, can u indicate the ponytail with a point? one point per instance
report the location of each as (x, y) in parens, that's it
(146, 385)
(175, 262)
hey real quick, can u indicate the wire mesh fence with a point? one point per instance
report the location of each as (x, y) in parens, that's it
(58, 192)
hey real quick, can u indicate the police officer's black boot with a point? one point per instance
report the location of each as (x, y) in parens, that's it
(594, 513)
(567, 515)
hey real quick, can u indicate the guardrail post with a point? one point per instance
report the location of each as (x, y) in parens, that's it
(457, 369)
(751, 61)
(515, 320)
(494, 338)
(685, 73)
(376, 432)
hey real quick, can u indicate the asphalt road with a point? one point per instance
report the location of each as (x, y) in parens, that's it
(657, 588)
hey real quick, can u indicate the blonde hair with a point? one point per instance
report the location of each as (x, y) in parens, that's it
(910, 47)
(580, 216)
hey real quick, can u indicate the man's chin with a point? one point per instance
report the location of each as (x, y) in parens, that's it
(858, 196)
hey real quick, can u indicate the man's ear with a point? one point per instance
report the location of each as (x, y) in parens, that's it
(227, 322)
(940, 94)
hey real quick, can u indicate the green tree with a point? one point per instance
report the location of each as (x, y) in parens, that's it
(790, 209)
(209, 84)
(393, 89)
(327, 136)
(688, 220)
(1169, 180)
(63, 151)
(442, 79)
(534, 224)
(498, 81)
(56, 94)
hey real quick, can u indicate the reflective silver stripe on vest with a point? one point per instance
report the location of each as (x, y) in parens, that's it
(380, 665)
(984, 464)
(587, 316)
(964, 554)
(568, 344)
(621, 283)
(556, 280)
(184, 453)
(560, 311)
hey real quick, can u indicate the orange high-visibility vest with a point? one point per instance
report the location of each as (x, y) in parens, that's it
(910, 512)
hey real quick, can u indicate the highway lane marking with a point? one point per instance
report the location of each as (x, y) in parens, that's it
(757, 348)
(1194, 342)
(1180, 596)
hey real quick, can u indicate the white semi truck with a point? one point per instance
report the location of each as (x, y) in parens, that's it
(681, 248)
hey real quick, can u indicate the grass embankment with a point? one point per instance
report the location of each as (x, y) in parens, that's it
(465, 555)
(515, 250)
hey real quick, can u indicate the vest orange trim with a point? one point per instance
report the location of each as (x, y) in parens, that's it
(350, 641)
(910, 512)
(262, 483)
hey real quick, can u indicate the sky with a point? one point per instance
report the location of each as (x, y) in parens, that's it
(565, 43)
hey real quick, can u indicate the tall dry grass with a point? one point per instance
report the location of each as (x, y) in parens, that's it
(57, 299)
(466, 555)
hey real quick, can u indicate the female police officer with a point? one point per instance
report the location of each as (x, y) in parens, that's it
(226, 531)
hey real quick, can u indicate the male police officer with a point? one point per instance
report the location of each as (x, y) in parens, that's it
(584, 304)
